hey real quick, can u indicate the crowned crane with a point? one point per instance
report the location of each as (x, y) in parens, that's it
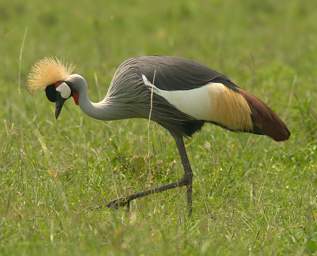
(179, 94)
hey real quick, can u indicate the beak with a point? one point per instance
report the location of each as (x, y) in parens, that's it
(58, 105)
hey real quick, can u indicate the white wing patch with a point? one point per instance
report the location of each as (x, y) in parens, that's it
(197, 103)
(146, 81)
(211, 102)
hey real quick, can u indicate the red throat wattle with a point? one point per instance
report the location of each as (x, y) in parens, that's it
(76, 98)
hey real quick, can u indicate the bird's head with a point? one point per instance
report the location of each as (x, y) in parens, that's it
(57, 80)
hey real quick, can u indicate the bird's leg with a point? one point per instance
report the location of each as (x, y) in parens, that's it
(188, 176)
(186, 180)
(125, 201)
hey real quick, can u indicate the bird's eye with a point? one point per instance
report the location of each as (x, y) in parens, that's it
(51, 93)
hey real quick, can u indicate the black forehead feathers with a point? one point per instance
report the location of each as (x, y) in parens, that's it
(51, 93)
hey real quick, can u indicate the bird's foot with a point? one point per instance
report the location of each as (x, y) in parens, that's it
(120, 202)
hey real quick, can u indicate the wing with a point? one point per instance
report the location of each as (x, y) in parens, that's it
(210, 96)
(175, 73)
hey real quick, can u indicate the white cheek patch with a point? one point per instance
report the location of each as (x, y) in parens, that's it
(64, 90)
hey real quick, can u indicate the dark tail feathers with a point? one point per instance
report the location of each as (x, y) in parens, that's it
(265, 121)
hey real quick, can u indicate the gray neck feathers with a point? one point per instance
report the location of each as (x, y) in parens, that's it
(117, 103)
(103, 110)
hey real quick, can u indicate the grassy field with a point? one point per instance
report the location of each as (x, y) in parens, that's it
(252, 196)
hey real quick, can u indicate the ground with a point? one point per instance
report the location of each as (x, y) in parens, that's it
(251, 195)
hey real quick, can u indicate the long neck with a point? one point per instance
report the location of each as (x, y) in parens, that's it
(103, 110)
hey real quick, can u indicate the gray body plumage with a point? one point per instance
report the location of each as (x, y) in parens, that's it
(130, 97)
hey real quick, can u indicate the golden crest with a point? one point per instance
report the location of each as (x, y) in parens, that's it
(47, 71)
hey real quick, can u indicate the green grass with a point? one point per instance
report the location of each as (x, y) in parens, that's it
(251, 195)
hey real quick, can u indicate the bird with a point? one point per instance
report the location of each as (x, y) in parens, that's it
(179, 94)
